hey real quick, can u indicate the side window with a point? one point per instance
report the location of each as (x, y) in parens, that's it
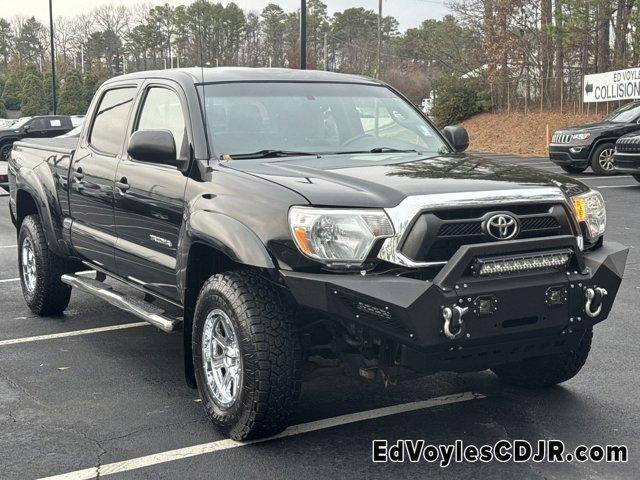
(110, 122)
(37, 125)
(162, 110)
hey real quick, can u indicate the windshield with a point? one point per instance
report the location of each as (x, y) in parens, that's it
(20, 123)
(629, 113)
(249, 119)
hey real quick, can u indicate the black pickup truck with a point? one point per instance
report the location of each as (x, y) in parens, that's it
(45, 126)
(277, 216)
(577, 148)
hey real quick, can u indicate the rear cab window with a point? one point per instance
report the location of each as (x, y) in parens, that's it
(110, 121)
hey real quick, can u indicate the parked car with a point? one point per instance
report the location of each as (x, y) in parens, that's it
(32, 127)
(77, 120)
(74, 133)
(270, 219)
(574, 149)
(7, 122)
(627, 155)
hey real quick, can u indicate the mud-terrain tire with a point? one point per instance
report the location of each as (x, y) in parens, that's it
(541, 372)
(259, 340)
(602, 159)
(573, 169)
(40, 271)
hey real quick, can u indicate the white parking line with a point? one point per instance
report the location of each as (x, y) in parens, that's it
(182, 453)
(7, 280)
(619, 186)
(610, 177)
(75, 333)
(8, 246)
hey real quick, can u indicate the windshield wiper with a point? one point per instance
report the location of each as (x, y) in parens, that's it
(378, 150)
(269, 154)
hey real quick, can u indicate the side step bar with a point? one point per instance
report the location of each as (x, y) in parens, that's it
(144, 310)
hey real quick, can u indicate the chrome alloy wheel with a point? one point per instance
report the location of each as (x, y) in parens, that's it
(29, 267)
(221, 358)
(606, 159)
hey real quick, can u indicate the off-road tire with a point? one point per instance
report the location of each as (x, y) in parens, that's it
(541, 372)
(269, 351)
(50, 296)
(595, 156)
(573, 169)
(5, 151)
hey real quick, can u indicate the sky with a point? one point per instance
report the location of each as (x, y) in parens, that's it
(410, 13)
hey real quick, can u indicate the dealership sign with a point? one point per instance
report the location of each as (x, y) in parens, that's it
(609, 86)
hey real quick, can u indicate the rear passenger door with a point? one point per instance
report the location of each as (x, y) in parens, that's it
(92, 176)
(149, 197)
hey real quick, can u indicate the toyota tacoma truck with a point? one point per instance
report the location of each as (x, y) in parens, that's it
(575, 149)
(276, 217)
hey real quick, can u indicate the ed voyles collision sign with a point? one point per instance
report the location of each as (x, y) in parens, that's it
(608, 86)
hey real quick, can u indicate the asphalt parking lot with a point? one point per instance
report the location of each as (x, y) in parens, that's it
(95, 393)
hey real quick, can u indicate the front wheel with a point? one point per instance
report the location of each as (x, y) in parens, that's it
(246, 355)
(602, 159)
(541, 372)
(40, 271)
(5, 151)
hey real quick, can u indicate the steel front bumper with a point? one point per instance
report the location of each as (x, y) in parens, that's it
(532, 314)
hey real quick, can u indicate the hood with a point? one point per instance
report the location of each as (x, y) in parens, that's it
(384, 180)
(596, 127)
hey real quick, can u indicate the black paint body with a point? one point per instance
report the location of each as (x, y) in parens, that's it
(140, 221)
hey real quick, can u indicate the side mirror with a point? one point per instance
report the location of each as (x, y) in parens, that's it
(458, 137)
(155, 146)
(26, 128)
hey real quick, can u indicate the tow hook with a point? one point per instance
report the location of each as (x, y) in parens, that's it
(594, 297)
(453, 322)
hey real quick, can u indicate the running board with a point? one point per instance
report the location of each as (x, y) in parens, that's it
(144, 310)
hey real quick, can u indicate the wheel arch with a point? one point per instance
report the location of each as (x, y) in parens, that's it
(599, 142)
(212, 243)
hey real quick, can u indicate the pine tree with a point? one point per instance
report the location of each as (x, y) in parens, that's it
(71, 101)
(3, 110)
(12, 90)
(33, 97)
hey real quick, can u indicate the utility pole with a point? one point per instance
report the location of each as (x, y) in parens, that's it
(53, 59)
(378, 63)
(326, 51)
(303, 34)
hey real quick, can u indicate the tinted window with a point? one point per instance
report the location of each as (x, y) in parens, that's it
(110, 121)
(37, 125)
(162, 111)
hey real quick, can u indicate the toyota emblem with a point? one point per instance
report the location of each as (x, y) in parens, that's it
(502, 226)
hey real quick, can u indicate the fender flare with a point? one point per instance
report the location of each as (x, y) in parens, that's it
(225, 234)
(27, 180)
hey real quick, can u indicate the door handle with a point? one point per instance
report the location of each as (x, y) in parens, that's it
(78, 175)
(123, 185)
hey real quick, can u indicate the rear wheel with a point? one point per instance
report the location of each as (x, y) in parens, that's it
(540, 372)
(246, 355)
(572, 169)
(40, 271)
(602, 159)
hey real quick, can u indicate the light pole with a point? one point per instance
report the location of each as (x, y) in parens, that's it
(303, 34)
(53, 59)
(378, 63)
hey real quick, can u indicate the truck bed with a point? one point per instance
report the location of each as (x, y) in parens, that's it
(66, 145)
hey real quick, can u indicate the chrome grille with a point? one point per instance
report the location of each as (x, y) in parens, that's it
(561, 138)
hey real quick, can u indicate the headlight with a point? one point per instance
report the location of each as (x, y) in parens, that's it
(590, 211)
(337, 235)
(580, 136)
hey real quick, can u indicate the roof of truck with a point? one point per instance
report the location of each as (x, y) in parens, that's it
(199, 75)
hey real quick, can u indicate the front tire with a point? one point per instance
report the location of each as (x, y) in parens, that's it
(246, 355)
(572, 169)
(547, 371)
(602, 159)
(5, 151)
(40, 271)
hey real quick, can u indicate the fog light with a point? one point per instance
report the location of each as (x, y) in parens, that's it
(521, 263)
(575, 149)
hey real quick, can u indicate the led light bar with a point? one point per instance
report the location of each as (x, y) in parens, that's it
(519, 263)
